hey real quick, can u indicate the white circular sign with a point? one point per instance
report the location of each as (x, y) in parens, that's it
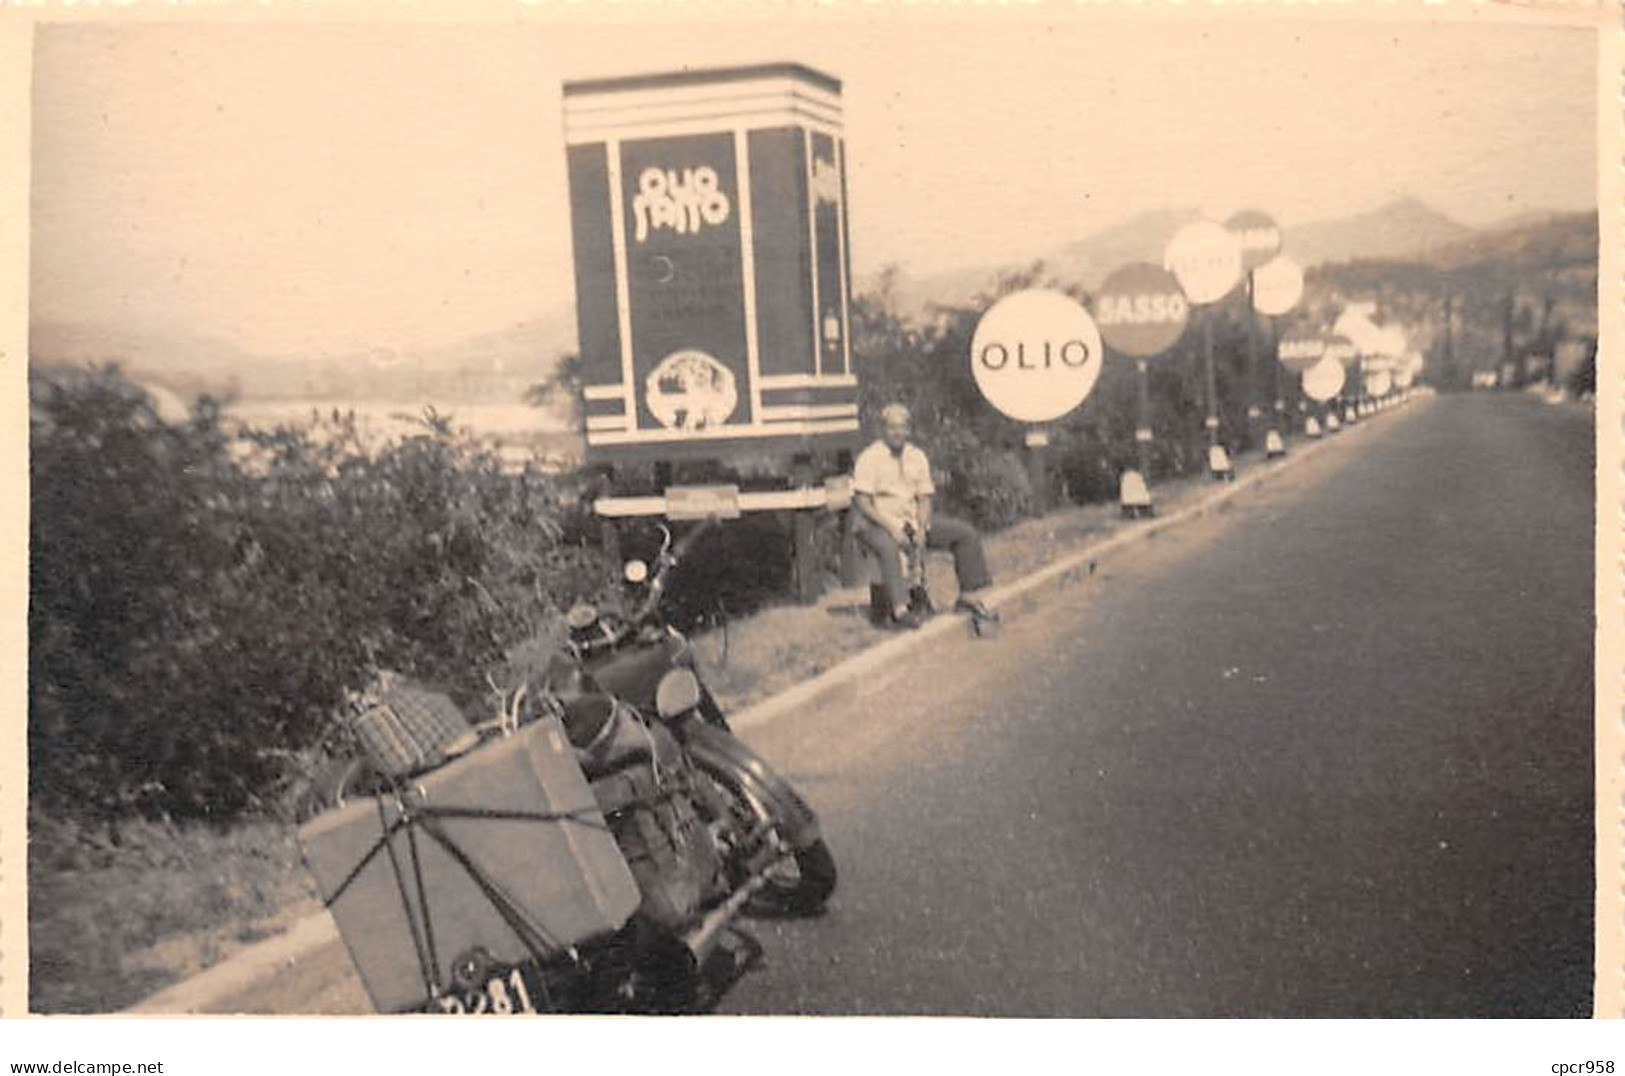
(1277, 286)
(690, 390)
(1207, 260)
(1341, 349)
(1036, 355)
(1324, 379)
(1258, 236)
(1298, 353)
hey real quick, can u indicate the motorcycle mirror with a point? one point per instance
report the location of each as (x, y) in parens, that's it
(636, 571)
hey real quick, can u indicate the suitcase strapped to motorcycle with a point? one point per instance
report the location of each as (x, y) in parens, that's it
(498, 858)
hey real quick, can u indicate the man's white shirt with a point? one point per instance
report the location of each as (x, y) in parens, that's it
(895, 481)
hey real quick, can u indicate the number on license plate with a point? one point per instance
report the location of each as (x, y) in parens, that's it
(502, 995)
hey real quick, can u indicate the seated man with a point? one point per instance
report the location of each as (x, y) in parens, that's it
(892, 488)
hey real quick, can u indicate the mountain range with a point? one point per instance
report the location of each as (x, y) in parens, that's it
(1405, 229)
(497, 367)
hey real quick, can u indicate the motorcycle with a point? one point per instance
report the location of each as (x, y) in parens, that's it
(585, 850)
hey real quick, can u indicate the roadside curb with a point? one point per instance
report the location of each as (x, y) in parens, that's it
(239, 972)
(880, 655)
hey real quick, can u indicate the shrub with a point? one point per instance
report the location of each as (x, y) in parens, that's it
(201, 600)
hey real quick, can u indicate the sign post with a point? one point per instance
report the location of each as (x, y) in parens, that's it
(1207, 261)
(1035, 356)
(1298, 352)
(1340, 350)
(1258, 238)
(1142, 312)
(1277, 288)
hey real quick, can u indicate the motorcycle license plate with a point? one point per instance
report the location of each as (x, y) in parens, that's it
(507, 993)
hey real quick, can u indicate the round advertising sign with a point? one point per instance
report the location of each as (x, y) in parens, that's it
(1141, 310)
(1036, 355)
(1277, 286)
(1298, 353)
(1341, 349)
(1206, 259)
(1324, 379)
(1258, 236)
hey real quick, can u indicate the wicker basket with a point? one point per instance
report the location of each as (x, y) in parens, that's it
(405, 726)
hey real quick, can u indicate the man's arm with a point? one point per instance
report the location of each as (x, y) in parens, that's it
(924, 501)
(865, 504)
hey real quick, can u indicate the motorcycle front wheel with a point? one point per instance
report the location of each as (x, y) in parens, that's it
(756, 797)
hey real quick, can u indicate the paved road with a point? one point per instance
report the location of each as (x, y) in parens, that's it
(1326, 753)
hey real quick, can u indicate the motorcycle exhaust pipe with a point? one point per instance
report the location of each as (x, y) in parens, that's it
(702, 940)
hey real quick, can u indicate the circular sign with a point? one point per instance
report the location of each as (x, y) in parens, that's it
(1298, 353)
(1141, 310)
(1206, 260)
(690, 390)
(1324, 379)
(1341, 349)
(1277, 286)
(1258, 236)
(1036, 355)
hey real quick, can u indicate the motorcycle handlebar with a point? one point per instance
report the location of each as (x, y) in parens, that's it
(668, 559)
(686, 542)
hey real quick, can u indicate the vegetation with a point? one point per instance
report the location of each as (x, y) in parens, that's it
(202, 600)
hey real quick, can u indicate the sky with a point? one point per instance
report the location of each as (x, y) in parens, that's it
(321, 187)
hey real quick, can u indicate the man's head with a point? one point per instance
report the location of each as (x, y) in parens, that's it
(895, 426)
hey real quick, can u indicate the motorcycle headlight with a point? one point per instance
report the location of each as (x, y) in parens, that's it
(678, 693)
(636, 571)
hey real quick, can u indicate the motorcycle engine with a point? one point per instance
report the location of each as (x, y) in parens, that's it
(646, 788)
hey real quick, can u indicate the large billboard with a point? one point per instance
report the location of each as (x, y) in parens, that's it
(712, 281)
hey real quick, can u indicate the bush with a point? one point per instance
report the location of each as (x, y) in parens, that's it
(201, 600)
(994, 490)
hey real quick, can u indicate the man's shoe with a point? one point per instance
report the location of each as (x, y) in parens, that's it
(906, 621)
(976, 608)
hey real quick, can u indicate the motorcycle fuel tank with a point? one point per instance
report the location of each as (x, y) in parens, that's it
(634, 674)
(512, 822)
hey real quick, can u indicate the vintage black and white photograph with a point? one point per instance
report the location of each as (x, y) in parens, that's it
(869, 510)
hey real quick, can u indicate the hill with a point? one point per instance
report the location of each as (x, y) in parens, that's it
(491, 368)
(1403, 229)
(1400, 229)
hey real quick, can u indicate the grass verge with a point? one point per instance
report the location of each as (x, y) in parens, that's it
(116, 915)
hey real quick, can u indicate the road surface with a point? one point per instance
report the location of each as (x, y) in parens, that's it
(1327, 752)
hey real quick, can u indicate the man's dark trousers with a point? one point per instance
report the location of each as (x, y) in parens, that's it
(957, 536)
